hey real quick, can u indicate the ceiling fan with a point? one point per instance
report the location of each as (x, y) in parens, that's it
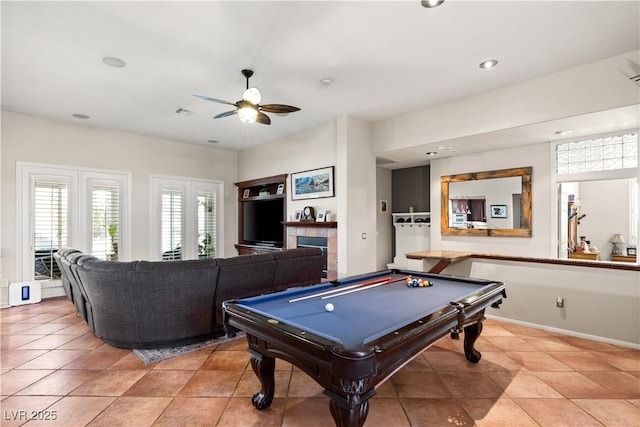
(248, 108)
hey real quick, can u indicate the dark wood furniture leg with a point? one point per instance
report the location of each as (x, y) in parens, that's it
(353, 411)
(471, 334)
(264, 367)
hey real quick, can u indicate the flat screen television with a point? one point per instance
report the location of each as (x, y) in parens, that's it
(263, 222)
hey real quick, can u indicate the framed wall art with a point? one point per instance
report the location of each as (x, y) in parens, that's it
(312, 184)
(498, 211)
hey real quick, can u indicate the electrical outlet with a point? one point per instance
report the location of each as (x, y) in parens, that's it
(559, 302)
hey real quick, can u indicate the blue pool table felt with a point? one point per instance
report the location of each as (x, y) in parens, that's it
(363, 316)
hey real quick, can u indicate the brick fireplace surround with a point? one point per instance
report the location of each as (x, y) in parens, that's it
(317, 229)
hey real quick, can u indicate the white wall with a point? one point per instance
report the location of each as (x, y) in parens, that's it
(311, 149)
(540, 243)
(601, 304)
(384, 235)
(357, 217)
(606, 204)
(593, 87)
(345, 144)
(33, 139)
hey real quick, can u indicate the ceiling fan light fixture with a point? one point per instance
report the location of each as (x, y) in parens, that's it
(431, 3)
(248, 113)
(252, 95)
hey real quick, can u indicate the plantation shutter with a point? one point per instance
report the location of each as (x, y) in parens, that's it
(50, 220)
(172, 224)
(206, 224)
(105, 221)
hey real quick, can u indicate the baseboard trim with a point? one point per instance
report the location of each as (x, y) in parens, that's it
(635, 346)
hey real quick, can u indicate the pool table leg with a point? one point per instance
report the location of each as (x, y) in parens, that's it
(471, 334)
(352, 411)
(264, 367)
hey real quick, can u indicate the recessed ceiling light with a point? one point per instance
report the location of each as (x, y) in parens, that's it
(564, 132)
(326, 81)
(431, 153)
(80, 116)
(431, 3)
(488, 64)
(114, 62)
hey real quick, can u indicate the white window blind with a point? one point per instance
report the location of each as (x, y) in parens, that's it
(105, 221)
(185, 218)
(206, 224)
(50, 220)
(172, 225)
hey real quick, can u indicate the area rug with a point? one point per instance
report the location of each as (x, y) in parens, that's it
(155, 355)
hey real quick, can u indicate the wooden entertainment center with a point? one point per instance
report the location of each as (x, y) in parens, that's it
(262, 208)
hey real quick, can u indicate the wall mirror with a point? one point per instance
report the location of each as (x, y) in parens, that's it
(489, 203)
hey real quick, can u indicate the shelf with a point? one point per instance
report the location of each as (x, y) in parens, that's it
(262, 203)
(411, 218)
(250, 190)
(263, 197)
(331, 224)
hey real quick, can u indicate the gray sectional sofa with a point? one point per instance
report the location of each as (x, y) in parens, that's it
(151, 304)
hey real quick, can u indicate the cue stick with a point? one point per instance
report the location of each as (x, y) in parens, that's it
(386, 282)
(332, 291)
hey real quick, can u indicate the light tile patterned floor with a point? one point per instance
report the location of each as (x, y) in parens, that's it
(51, 364)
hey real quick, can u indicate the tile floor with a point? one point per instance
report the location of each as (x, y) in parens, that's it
(52, 366)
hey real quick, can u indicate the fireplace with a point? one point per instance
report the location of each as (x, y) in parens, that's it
(315, 242)
(323, 235)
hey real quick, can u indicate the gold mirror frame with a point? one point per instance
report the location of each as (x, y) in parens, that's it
(525, 231)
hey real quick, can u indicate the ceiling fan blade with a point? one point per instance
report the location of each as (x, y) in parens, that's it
(221, 101)
(263, 118)
(225, 114)
(278, 108)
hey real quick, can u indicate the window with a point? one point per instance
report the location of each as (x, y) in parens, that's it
(50, 219)
(185, 215)
(171, 224)
(598, 154)
(66, 206)
(206, 224)
(105, 221)
(596, 178)
(105, 214)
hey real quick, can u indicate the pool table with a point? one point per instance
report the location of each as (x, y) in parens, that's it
(377, 324)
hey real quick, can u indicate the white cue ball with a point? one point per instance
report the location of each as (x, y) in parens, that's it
(328, 307)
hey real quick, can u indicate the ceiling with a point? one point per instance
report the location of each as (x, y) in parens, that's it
(384, 59)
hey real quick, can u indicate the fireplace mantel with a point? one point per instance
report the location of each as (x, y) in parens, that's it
(332, 224)
(316, 229)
